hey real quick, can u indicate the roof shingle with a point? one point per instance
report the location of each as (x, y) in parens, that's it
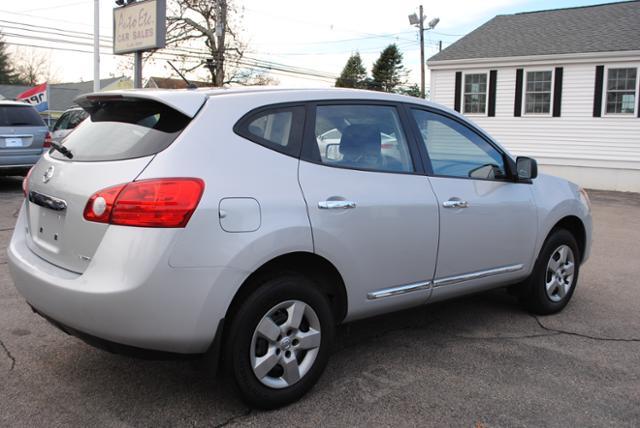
(600, 28)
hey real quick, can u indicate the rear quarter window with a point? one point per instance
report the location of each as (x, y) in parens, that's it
(20, 116)
(275, 127)
(124, 129)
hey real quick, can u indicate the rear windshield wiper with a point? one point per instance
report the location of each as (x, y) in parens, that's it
(62, 149)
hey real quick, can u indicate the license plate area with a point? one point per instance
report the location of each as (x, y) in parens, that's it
(11, 143)
(47, 226)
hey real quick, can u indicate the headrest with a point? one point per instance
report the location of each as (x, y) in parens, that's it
(360, 139)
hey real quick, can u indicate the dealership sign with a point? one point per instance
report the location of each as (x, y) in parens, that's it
(139, 26)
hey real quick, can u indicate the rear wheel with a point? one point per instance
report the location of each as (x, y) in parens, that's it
(555, 275)
(278, 343)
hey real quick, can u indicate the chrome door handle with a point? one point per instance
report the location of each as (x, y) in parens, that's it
(336, 205)
(455, 203)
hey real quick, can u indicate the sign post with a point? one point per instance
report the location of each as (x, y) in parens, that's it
(137, 27)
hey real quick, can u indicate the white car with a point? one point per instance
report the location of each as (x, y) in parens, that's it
(207, 221)
(67, 123)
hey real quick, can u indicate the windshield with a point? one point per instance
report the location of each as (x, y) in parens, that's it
(124, 129)
(19, 116)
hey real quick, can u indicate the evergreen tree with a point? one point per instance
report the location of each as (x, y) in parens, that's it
(7, 73)
(388, 71)
(353, 74)
(412, 90)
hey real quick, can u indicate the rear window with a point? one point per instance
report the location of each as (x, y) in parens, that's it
(123, 129)
(20, 116)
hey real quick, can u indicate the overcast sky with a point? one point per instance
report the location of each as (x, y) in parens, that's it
(317, 35)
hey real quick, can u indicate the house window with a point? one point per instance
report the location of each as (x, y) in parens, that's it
(538, 92)
(621, 90)
(475, 93)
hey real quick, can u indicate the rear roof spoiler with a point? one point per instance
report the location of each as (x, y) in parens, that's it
(187, 103)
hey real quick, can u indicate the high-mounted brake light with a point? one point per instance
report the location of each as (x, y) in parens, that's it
(47, 141)
(165, 202)
(25, 182)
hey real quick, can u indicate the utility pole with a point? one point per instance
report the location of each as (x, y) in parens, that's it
(137, 70)
(96, 46)
(421, 53)
(418, 21)
(220, 30)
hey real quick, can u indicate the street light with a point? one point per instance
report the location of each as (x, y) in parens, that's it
(418, 21)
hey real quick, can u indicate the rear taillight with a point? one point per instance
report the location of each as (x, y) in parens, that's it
(47, 141)
(165, 202)
(25, 182)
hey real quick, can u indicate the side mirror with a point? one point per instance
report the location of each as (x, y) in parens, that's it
(527, 168)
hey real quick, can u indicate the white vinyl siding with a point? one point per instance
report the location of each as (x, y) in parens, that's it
(605, 147)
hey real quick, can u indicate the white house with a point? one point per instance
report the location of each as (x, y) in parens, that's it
(561, 86)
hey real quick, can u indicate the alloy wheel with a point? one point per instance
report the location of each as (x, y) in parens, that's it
(285, 344)
(560, 273)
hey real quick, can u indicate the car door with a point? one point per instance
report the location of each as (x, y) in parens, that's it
(371, 210)
(488, 222)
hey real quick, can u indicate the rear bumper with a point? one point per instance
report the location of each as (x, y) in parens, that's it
(128, 295)
(18, 160)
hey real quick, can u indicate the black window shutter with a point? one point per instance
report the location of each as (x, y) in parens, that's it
(458, 91)
(493, 80)
(517, 106)
(597, 93)
(557, 91)
(638, 98)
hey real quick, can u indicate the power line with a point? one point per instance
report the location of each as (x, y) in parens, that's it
(58, 30)
(107, 29)
(288, 18)
(59, 6)
(253, 66)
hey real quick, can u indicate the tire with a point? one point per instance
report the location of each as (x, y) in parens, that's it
(555, 275)
(263, 334)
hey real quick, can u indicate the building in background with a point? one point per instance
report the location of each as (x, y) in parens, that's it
(561, 86)
(61, 95)
(170, 83)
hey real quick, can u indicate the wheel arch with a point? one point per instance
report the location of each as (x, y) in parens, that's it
(320, 270)
(576, 227)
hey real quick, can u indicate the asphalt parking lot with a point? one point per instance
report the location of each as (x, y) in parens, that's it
(476, 361)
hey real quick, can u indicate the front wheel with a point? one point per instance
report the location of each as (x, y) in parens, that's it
(555, 275)
(279, 340)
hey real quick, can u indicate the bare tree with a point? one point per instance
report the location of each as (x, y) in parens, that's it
(33, 66)
(192, 22)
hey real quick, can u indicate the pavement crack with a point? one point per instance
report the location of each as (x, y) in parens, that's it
(6, 229)
(585, 336)
(234, 418)
(11, 357)
(507, 337)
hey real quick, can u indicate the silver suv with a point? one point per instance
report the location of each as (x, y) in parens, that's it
(23, 135)
(217, 222)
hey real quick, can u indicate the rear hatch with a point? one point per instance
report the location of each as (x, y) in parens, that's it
(22, 130)
(113, 146)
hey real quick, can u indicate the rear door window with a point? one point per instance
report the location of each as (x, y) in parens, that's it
(20, 116)
(367, 137)
(124, 128)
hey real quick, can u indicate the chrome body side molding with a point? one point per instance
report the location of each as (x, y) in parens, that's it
(395, 291)
(475, 275)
